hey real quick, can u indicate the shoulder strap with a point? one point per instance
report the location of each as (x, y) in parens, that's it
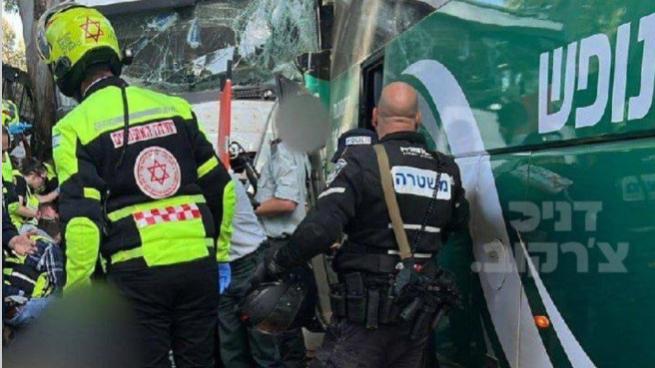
(392, 202)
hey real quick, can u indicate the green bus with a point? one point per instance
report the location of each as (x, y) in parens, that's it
(547, 106)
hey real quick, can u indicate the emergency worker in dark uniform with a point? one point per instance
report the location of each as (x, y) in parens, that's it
(140, 187)
(375, 322)
(353, 137)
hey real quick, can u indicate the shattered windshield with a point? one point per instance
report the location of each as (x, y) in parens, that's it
(190, 48)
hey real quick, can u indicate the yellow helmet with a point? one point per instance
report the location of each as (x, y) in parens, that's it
(9, 113)
(71, 38)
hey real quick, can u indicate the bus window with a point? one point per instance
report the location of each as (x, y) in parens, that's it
(364, 26)
(372, 83)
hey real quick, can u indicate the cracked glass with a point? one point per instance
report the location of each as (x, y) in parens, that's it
(190, 48)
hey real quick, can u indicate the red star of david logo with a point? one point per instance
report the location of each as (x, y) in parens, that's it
(92, 29)
(158, 173)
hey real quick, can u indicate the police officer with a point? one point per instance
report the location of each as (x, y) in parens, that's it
(363, 331)
(280, 205)
(140, 186)
(353, 137)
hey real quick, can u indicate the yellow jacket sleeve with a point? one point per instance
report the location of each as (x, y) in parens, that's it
(227, 228)
(79, 204)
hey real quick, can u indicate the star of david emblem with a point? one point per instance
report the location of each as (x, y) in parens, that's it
(158, 172)
(92, 29)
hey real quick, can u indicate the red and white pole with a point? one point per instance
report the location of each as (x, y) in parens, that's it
(225, 123)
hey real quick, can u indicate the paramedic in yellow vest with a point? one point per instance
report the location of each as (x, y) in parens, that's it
(7, 167)
(10, 113)
(27, 184)
(8, 116)
(11, 119)
(140, 186)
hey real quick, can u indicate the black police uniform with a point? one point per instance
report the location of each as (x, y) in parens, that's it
(354, 204)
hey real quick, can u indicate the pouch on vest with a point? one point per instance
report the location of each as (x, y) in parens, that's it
(355, 297)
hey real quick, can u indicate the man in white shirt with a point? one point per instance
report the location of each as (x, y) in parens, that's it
(242, 346)
(281, 205)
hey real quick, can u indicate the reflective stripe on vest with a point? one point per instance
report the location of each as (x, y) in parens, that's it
(130, 254)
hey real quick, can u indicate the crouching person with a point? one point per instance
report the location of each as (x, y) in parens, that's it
(31, 280)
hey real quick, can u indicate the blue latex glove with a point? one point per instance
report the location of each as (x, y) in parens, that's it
(224, 277)
(18, 128)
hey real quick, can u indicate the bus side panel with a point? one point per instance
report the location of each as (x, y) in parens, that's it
(589, 224)
(507, 62)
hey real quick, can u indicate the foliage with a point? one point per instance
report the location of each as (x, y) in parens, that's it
(10, 5)
(13, 50)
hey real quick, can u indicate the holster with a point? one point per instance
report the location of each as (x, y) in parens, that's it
(372, 304)
(428, 304)
(423, 325)
(338, 300)
(389, 309)
(355, 298)
(363, 302)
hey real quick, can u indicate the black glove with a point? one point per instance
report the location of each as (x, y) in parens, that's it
(268, 270)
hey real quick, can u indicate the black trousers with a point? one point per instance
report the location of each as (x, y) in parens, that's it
(175, 307)
(349, 345)
(242, 346)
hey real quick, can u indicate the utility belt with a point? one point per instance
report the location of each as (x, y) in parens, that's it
(356, 257)
(371, 301)
(284, 238)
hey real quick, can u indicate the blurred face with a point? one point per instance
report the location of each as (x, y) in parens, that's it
(36, 181)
